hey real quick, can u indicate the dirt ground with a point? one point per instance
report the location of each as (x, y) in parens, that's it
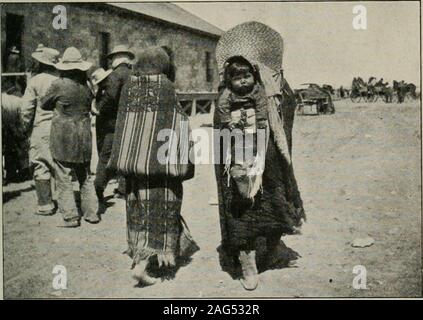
(359, 173)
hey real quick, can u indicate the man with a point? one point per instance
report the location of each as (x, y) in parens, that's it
(107, 105)
(14, 141)
(15, 84)
(13, 63)
(70, 138)
(37, 124)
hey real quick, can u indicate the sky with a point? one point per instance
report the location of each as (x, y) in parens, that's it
(321, 45)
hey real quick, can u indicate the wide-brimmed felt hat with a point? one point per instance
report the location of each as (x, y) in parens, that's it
(121, 49)
(254, 41)
(99, 75)
(72, 60)
(46, 55)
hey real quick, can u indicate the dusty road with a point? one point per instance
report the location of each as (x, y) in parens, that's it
(359, 173)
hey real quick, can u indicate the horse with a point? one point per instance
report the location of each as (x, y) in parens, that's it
(404, 89)
(359, 89)
(381, 89)
(15, 143)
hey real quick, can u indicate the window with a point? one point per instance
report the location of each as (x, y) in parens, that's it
(104, 49)
(209, 67)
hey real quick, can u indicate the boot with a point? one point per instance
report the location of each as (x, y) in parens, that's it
(102, 206)
(44, 196)
(100, 194)
(249, 278)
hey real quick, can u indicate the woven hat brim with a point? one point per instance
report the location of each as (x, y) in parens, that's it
(111, 54)
(254, 41)
(83, 66)
(105, 75)
(39, 58)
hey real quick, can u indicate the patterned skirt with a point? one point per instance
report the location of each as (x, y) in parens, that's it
(155, 226)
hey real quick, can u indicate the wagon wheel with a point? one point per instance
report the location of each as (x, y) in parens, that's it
(388, 97)
(300, 105)
(408, 97)
(394, 97)
(319, 107)
(300, 108)
(374, 97)
(354, 97)
(385, 98)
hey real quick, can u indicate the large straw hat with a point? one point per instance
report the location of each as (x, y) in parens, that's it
(254, 41)
(46, 55)
(71, 60)
(99, 75)
(121, 49)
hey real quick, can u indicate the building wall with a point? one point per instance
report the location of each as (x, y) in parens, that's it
(85, 21)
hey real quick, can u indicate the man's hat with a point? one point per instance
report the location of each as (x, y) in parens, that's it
(72, 60)
(45, 55)
(121, 49)
(99, 75)
(14, 50)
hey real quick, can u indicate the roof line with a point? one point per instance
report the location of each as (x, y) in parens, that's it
(117, 7)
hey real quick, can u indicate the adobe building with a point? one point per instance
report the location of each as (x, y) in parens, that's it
(95, 28)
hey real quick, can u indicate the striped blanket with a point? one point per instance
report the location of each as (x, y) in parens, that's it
(152, 134)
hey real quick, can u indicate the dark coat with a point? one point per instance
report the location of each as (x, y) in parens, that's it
(108, 98)
(70, 136)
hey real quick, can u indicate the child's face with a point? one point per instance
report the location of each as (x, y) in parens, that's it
(243, 83)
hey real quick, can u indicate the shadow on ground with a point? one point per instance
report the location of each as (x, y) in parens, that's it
(282, 257)
(9, 195)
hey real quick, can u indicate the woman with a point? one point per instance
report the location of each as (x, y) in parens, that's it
(107, 101)
(156, 232)
(37, 124)
(70, 137)
(276, 208)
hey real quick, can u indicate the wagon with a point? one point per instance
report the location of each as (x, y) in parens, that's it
(318, 100)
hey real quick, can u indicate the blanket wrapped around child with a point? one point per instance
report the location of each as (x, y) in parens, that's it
(277, 207)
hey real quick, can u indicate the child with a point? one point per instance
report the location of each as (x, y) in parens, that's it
(243, 109)
(243, 102)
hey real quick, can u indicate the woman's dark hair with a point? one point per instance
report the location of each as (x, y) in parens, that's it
(154, 60)
(239, 68)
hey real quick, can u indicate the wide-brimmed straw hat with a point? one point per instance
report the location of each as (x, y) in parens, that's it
(72, 60)
(46, 55)
(121, 49)
(99, 75)
(254, 41)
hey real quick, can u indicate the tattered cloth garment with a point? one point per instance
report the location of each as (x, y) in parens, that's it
(155, 226)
